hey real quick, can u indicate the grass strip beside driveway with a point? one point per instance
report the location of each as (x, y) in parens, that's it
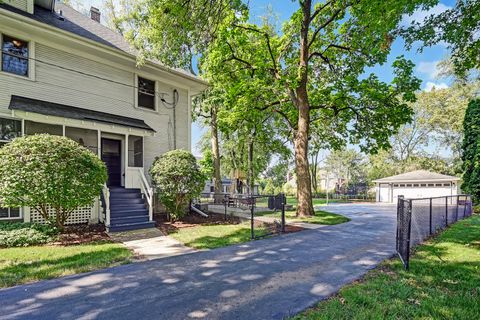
(210, 236)
(28, 264)
(320, 217)
(443, 283)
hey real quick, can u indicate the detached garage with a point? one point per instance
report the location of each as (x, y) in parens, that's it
(415, 184)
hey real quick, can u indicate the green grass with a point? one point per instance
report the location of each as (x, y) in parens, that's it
(212, 236)
(316, 201)
(23, 265)
(320, 217)
(443, 283)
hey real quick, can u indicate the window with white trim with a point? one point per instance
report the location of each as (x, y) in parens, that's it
(146, 93)
(15, 56)
(135, 151)
(9, 130)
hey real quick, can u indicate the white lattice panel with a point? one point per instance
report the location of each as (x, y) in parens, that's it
(81, 215)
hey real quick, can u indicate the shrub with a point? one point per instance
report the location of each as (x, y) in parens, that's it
(471, 151)
(178, 179)
(26, 234)
(44, 171)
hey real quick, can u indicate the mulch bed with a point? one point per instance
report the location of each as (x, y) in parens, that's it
(81, 234)
(193, 220)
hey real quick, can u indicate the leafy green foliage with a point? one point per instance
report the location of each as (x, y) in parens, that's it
(178, 179)
(42, 171)
(471, 150)
(458, 27)
(25, 234)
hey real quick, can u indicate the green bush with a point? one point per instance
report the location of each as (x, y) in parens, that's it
(471, 151)
(44, 171)
(178, 179)
(26, 234)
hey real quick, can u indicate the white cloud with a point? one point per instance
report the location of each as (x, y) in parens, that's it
(429, 68)
(429, 86)
(420, 15)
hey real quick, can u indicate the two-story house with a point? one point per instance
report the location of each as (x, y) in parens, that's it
(64, 73)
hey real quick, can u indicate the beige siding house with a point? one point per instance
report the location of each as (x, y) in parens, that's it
(65, 73)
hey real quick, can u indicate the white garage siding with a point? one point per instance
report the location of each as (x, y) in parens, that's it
(416, 184)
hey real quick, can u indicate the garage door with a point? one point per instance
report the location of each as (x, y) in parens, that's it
(421, 192)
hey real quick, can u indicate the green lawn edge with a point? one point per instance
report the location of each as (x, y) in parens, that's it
(21, 265)
(443, 283)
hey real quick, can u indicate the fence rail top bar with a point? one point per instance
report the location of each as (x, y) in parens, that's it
(439, 197)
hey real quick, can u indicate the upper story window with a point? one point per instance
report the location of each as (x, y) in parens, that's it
(146, 93)
(14, 56)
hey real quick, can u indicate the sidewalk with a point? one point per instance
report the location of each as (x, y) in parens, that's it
(150, 244)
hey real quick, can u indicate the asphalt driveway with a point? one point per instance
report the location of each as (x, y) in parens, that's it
(266, 279)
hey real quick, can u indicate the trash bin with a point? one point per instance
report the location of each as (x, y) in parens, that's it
(271, 202)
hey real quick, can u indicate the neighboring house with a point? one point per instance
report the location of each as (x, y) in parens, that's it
(240, 186)
(66, 74)
(415, 184)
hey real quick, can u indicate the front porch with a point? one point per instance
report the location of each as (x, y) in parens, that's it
(127, 198)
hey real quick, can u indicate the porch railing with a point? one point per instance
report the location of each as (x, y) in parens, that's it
(147, 191)
(106, 204)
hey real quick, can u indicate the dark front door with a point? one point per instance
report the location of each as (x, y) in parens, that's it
(112, 156)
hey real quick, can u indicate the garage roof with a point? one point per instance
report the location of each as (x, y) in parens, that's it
(418, 175)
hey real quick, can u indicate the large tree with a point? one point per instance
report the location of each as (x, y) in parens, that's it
(314, 70)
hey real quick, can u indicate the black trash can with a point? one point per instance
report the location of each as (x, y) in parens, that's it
(271, 202)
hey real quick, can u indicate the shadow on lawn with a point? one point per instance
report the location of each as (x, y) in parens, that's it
(14, 272)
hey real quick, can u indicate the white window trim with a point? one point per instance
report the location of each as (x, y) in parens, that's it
(155, 96)
(31, 58)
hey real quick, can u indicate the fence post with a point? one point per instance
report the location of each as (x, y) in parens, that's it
(409, 214)
(400, 207)
(446, 211)
(225, 202)
(284, 200)
(431, 231)
(252, 225)
(456, 212)
(465, 206)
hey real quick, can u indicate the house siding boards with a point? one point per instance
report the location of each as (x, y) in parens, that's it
(25, 5)
(69, 70)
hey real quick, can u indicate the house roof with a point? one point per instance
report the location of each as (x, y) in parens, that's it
(77, 23)
(418, 175)
(61, 110)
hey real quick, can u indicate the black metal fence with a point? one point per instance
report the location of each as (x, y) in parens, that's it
(266, 213)
(418, 219)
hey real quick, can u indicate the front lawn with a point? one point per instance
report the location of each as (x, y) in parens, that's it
(320, 217)
(443, 283)
(210, 236)
(23, 265)
(316, 201)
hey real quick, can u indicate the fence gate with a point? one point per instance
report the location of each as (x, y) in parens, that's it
(419, 219)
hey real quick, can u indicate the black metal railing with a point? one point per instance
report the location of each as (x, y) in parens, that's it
(419, 219)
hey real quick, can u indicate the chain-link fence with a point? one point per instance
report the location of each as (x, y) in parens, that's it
(418, 219)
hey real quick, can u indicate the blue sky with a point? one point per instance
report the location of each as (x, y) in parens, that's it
(425, 62)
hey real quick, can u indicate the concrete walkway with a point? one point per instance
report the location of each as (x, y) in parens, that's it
(266, 279)
(150, 244)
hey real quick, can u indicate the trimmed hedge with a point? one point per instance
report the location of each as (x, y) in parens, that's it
(26, 234)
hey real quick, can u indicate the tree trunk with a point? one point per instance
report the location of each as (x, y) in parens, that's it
(217, 179)
(304, 185)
